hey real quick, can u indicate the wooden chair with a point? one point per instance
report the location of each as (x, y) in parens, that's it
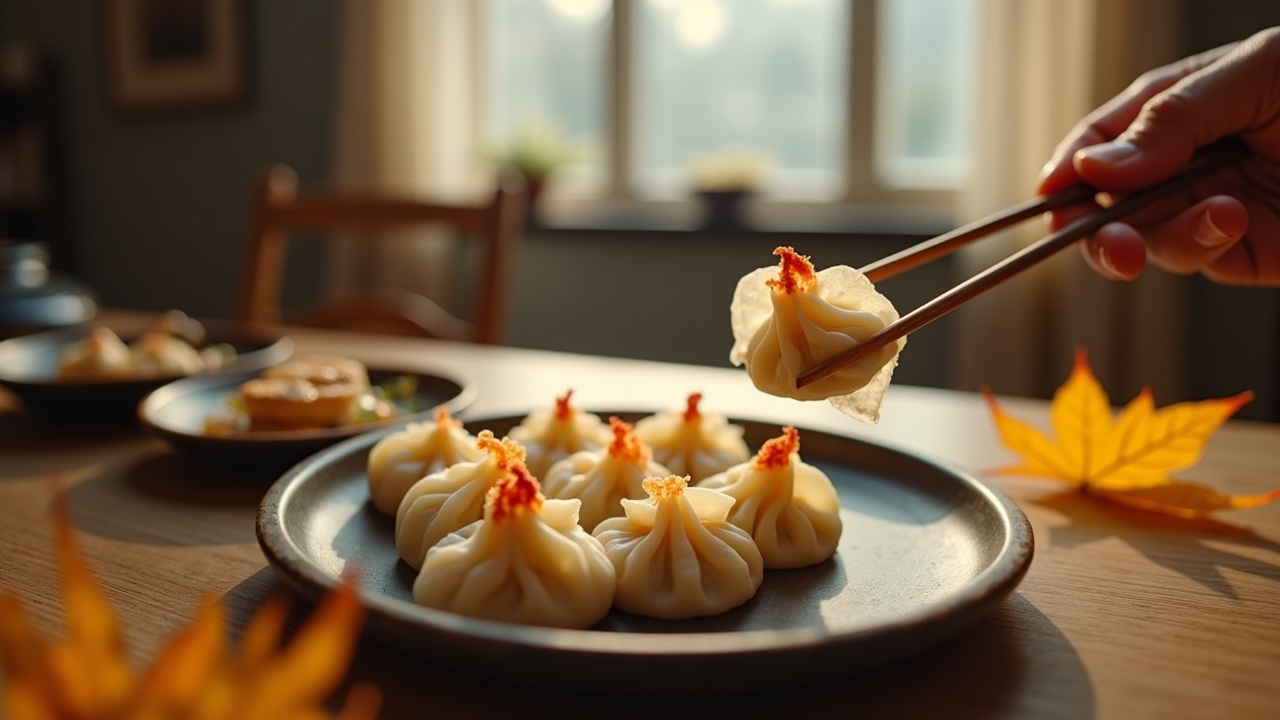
(281, 211)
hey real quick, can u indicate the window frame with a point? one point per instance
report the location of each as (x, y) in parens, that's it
(864, 202)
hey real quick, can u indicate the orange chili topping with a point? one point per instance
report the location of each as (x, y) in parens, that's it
(625, 445)
(517, 492)
(444, 418)
(795, 272)
(564, 411)
(666, 488)
(691, 407)
(505, 453)
(777, 452)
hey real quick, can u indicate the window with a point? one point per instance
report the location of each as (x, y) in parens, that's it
(852, 101)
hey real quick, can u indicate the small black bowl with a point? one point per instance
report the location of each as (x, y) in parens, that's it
(29, 369)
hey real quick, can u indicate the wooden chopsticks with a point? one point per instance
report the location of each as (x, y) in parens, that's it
(1207, 161)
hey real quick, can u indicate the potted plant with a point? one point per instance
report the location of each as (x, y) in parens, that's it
(725, 180)
(535, 152)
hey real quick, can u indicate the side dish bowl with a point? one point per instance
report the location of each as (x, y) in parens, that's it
(179, 413)
(29, 369)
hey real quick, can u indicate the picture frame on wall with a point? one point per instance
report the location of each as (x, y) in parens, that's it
(175, 54)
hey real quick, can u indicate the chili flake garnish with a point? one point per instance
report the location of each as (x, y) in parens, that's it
(795, 272)
(517, 492)
(777, 452)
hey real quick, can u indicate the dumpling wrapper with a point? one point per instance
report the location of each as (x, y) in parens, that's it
(528, 561)
(693, 443)
(601, 479)
(549, 436)
(787, 319)
(789, 507)
(404, 457)
(159, 354)
(454, 497)
(676, 554)
(101, 355)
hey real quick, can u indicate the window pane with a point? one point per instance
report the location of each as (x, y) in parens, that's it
(924, 92)
(743, 76)
(547, 64)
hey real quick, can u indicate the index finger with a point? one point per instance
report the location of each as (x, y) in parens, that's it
(1113, 117)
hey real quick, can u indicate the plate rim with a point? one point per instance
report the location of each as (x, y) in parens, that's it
(989, 587)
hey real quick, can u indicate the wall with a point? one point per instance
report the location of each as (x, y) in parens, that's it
(665, 295)
(161, 202)
(161, 205)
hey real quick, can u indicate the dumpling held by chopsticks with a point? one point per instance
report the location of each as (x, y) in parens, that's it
(787, 319)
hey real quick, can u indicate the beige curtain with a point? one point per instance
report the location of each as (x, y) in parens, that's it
(1045, 64)
(406, 123)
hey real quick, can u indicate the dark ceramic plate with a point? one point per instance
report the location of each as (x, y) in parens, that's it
(29, 364)
(178, 412)
(926, 551)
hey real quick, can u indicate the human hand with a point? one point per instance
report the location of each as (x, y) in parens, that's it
(1226, 227)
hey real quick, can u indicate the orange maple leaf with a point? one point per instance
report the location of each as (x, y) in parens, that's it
(1126, 458)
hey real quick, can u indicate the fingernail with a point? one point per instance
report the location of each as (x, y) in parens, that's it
(1208, 234)
(1044, 171)
(1116, 151)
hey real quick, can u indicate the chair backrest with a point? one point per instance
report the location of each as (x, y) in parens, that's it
(280, 211)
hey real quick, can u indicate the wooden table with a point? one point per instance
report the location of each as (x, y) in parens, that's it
(1122, 614)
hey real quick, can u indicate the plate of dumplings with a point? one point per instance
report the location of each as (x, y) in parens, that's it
(91, 373)
(590, 547)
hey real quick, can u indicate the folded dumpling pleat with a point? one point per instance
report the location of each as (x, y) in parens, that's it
(788, 319)
(677, 556)
(528, 561)
(404, 457)
(789, 507)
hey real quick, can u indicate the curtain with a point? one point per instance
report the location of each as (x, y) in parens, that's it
(406, 124)
(1045, 64)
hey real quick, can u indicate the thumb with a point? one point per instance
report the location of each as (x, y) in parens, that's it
(1213, 102)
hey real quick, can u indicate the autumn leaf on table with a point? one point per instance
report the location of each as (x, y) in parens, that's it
(196, 675)
(1127, 458)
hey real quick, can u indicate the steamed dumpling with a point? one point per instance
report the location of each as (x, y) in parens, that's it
(449, 499)
(551, 435)
(676, 554)
(693, 443)
(101, 355)
(787, 319)
(602, 478)
(528, 561)
(402, 458)
(159, 354)
(790, 507)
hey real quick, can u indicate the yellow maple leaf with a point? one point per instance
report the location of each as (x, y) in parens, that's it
(87, 673)
(1129, 457)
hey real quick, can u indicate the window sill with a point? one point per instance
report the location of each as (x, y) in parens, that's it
(754, 217)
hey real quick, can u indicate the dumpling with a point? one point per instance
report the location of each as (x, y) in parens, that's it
(159, 354)
(790, 507)
(404, 457)
(448, 499)
(676, 554)
(528, 561)
(101, 355)
(550, 435)
(787, 319)
(602, 478)
(693, 443)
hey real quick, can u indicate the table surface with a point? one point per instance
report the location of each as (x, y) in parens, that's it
(1123, 614)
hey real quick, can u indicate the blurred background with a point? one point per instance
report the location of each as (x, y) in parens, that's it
(669, 145)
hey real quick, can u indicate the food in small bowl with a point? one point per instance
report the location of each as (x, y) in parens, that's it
(312, 392)
(172, 347)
